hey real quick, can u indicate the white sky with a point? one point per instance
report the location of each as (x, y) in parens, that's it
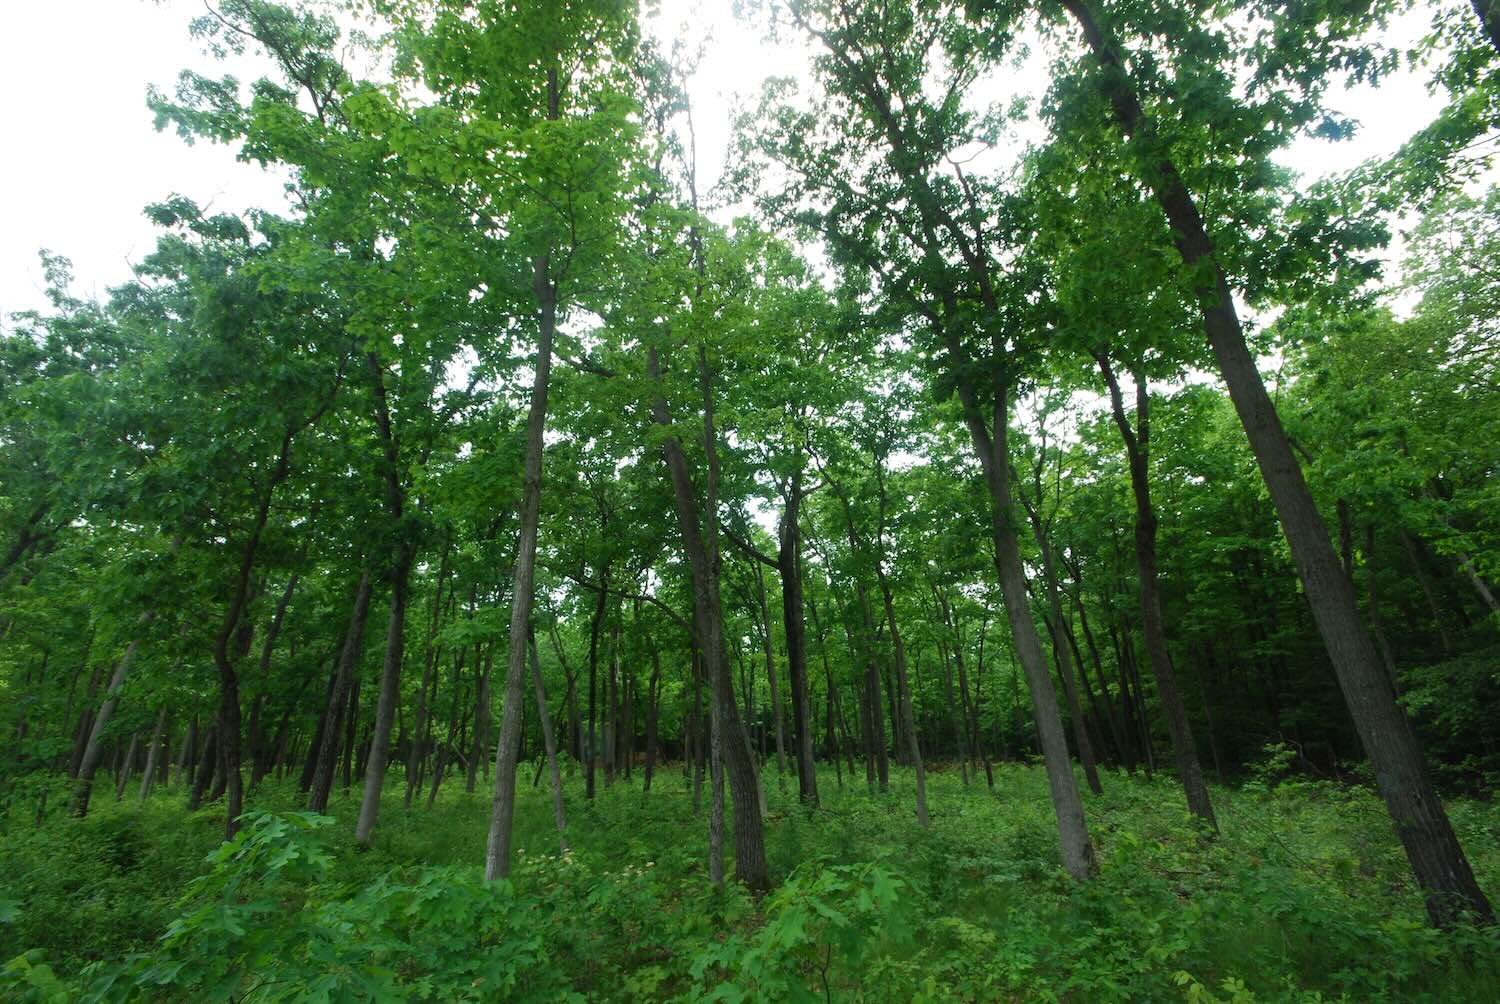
(80, 157)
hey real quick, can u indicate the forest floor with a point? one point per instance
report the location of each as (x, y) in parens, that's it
(1305, 896)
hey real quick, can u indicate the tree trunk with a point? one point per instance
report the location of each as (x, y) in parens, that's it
(390, 695)
(93, 752)
(497, 849)
(773, 686)
(1138, 452)
(549, 741)
(653, 699)
(1061, 654)
(205, 772)
(591, 751)
(789, 568)
(1436, 857)
(992, 447)
(703, 562)
(126, 766)
(328, 743)
(153, 753)
(479, 749)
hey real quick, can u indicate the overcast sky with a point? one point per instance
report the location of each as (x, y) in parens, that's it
(81, 157)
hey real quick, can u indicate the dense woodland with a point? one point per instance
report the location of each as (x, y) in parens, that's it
(1009, 538)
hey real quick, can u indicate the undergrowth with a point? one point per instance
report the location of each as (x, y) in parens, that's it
(1304, 897)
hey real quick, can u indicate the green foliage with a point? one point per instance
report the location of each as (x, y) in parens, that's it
(1305, 894)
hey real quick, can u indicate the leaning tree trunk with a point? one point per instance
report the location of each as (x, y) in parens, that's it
(153, 752)
(1437, 859)
(125, 768)
(328, 743)
(83, 787)
(497, 850)
(1064, 656)
(1077, 851)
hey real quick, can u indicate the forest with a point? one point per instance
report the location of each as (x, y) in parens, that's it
(1010, 537)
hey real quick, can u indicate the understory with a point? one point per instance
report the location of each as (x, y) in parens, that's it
(1304, 896)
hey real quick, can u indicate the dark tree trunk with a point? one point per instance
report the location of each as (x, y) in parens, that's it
(417, 755)
(703, 561)
(507, 751)
(1436, 857)
(549, 742)
(327, 746)
(315, 746)
(205, 772)
(789, 568)
(653, 698)
(591, 750)
(1153, 627)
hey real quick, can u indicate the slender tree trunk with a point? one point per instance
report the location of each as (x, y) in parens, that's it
(93, 751)
(430, 653)
(1137, 448)
(992, 446)
(591, 753)
(789, 568)
(703, 562)
(310, 762)
(773, 686)
(478, 751)
(390, 695)
(189, 751)
(549, 741)
(326, 760)
(1436, 857)
(903, 690)
(497, 850)
(653, 698)
(1061, 654)
(153, 752)
(205, 772)
(124, 775)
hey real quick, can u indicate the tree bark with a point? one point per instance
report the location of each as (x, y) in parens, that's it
(992, 447)
(1437, 859)
(549, 741)
(153, 753)
(544, 287)
(1137, 442)
(703, 562)
(93, 752)
(789, 568)
(328, 743)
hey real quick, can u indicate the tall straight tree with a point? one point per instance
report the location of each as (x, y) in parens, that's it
(535, 95)
(911, 227)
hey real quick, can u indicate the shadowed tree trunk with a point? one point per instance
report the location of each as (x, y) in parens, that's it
(549, 741)
(326, 760)
(153, 754)
(1436, 857)
(703, 562)
(1138, 452)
